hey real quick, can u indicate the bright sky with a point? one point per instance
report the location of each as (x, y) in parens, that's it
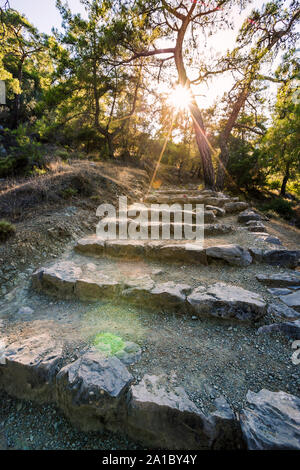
(44, 15)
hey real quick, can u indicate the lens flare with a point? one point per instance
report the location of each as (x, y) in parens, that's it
(180, 97)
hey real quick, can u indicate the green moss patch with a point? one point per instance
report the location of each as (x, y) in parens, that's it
(109, 344)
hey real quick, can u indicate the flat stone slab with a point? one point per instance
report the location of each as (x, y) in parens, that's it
(272, 422)
(248, 215)
(285, 258)
(258, 227)
(235, 207)
(189, 199)
(92, 392)
(290, 329)
(280, 280)
(28, 368)
(292, 300)
(268, 239)
(232, 254)
(228, 302)
(282, 311)
(218, 211)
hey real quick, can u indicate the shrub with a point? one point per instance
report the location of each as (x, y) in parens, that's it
(275, 184)
(6, 230)
(280, 206)
(23, 153)
(68, 193)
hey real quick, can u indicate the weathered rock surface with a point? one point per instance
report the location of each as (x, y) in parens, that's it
(234, 207)
(92, 392)
(290, 329)
(248, 215)
(58, 279)
(280, 280)
(282, 311)
(284, 258)
(272, 240)
(273, 422)
(219, 211)
(232, 254)
(29, 368)
(258, 227)
(226, 301)
(227, 429)
(163, 417)
(167, 295)
(292, 300)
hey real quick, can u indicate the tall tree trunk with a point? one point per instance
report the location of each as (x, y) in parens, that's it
(201, 139)
(225, 135)
(285, 179)
(110, 146)
(17, 100)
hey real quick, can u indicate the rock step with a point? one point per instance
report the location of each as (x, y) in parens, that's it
(191, 253)
(229, 205)
(96, 394)
(69, 281)
(165, 230)
(149, 215)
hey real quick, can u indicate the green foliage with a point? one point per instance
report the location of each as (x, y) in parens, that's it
(281, 206)
(275, 184)
(23, 153)
(245, 169)
(108, 343)
(68, 193)
(6, 230)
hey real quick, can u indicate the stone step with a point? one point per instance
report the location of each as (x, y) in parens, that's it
(69, 281)
(161, 230)
(96, 393)
(188, 199)
(187, 252)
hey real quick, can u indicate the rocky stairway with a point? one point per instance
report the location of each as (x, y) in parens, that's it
(98, 392)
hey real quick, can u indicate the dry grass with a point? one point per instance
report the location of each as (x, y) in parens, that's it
(64, 181)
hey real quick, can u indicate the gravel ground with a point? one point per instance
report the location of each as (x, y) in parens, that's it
(28, 426)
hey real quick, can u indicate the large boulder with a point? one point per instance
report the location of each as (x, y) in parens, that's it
(92, 392)
(226, 301)
(29, 367)
(232, 254)
(248, 215)
(161, 416)
(284, 258)
(234, 207)
(272, 422)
